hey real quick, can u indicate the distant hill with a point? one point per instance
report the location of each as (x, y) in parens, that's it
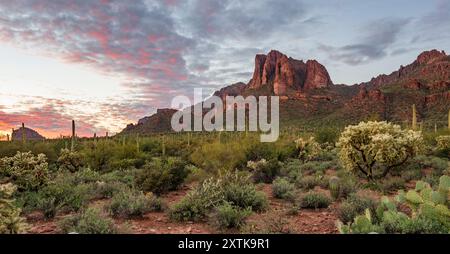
(30, 134)
(308, 96)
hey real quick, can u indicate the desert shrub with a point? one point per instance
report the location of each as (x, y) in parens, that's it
(239, 191)
(216, 156)
(438, 164)
(369, 146)
(198, 202)
(355, 205)
(283, 189)
(308, 149)
(348, 185)
(412, 174)
(130, 203)
(308, 182)
(102, 190)
(264, 171)
(62, 194)
(10, 220)
(316, 166)
(314, 200)
(233, 187)
(88, 222)
(99, 154)
(84, 175)
(126, 177)
(68, 160)
(327, 135)
(291, 170)
(161, 175)
(443, 145)
(392, 184)
(228, 216)
(27, 171)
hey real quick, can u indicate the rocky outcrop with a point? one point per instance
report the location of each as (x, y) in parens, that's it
(316, 75)
(288, 74)
(431, 56)
(30, 134)
(158, 122)
(233, 90)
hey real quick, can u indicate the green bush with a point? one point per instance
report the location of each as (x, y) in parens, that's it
(102, 190)
(283, 189)
(291, 170)
(129, 203)
(355, 205)
(239, 191)
(327, 135)
(314, 200)
(392, 184)
(71, 161)
(229, 216)
(25, 170)
(161, 175)
(438, 164)
(265, 171)
(234, 188)
(308, 182)
(88, 222)
(198, 202)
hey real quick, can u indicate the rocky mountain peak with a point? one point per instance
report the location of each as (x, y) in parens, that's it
(430, 56)
(288, 74)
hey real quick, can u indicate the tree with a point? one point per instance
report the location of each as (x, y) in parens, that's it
(371, 146)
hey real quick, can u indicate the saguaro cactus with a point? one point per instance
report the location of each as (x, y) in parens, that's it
(414, 117)
(24, 139)
(137, 143)
(449, 119)
(72, 145)
(7, 137)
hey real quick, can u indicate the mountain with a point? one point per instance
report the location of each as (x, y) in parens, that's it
(30, 134)
(309, 98)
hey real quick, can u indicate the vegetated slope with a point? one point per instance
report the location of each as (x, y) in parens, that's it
(309, 98)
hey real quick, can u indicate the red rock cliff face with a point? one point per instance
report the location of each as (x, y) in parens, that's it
(288, 73)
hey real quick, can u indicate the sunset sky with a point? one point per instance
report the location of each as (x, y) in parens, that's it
(107, 63)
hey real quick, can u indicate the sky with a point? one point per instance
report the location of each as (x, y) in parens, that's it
(107, 63)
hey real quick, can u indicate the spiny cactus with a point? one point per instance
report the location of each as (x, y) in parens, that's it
(10, 220)
(72, 144)
(137, 143)
(335, 187)
(23, 134)
(448, 119)
(414, 117)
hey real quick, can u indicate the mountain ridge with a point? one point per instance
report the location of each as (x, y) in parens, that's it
(307, 92)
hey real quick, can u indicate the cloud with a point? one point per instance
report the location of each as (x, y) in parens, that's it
(378, 37)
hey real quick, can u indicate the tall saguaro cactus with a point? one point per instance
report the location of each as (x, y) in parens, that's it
(72, 145)
(449, 119)
(23, 133)
(414, 117)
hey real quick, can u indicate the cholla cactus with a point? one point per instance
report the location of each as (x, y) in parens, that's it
(443, 142)
(26, 170)
(308, 148)
(255, 165)
(370, 145)
(10, 220)
(69, 160)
